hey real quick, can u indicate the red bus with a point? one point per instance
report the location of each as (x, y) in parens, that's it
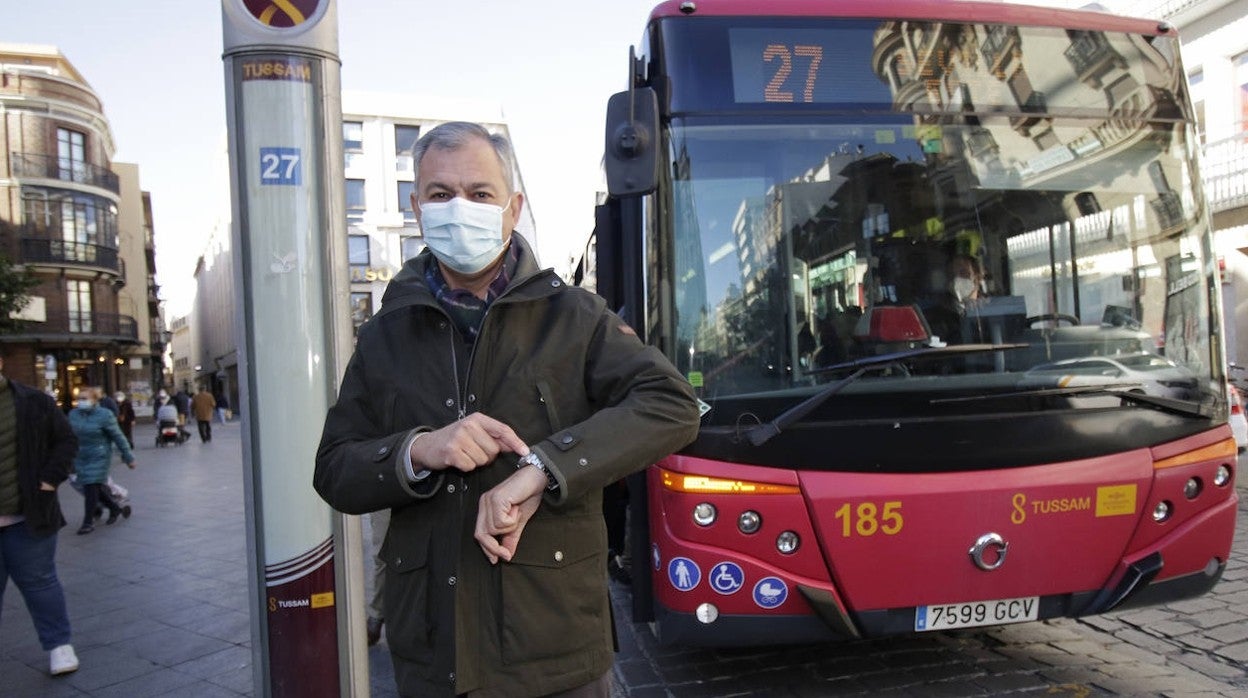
(942, 276)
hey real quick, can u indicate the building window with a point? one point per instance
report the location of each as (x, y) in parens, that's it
(357, 252)
(79, 305)
(72, 217)
(355, 199)
(405, 202)
(410, 246)
(71, 155)
(404, 138)
(361, 309)
(352, 136)
(352, 143)
(1241, 91)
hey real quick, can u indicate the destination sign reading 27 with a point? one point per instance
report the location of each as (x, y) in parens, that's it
(801, 65)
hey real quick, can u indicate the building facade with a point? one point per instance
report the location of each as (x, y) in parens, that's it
(82, 224)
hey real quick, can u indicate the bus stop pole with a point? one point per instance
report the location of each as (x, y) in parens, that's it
(288, 240)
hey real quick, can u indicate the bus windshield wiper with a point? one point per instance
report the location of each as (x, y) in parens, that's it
(762, 433)
(1184, 408)
(920, 353)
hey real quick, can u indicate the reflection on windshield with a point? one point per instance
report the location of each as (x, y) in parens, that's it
(798, 246)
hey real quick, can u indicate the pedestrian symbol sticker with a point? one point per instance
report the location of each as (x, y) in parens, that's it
(654, 555)
(727, 577)
(683, 573)
(770, 592)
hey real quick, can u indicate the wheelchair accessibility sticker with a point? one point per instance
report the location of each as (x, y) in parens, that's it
(726, 577)
(683, 573)
(770, 592)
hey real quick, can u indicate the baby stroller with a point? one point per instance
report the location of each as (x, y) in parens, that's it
(168, 432)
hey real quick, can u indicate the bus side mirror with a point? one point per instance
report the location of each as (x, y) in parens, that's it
(631, 153)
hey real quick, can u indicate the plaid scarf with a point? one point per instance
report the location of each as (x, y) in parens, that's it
(466, 310)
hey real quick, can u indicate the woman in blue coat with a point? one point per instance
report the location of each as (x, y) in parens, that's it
(97, 432)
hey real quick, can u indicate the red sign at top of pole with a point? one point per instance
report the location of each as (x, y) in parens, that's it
(283, 14)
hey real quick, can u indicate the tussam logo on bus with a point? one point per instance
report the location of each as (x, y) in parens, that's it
(1057, 505)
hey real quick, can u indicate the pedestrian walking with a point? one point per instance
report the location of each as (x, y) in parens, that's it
(223, 406)
(203, 405)
(125, 416)
(97, 432)
(182, 400)
(37, 448)
(487, 405)
(109, 404)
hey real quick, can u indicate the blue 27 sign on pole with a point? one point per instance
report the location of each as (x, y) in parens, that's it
(281, 166)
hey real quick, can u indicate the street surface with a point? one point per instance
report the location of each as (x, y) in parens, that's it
(159, 607)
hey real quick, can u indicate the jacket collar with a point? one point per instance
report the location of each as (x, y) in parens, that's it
(409, 288)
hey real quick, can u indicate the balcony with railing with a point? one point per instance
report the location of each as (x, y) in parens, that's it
(52, 167)
(1224, 170)
(74, 327)
(42, 251)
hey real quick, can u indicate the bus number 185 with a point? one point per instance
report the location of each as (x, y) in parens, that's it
(867, 519)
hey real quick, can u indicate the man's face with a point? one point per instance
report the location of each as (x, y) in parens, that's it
(473, 172)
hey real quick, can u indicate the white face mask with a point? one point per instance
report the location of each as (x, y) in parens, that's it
(963, 287)
(86, 403)
(464, 235)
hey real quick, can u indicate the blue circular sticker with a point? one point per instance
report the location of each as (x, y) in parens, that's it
(726, 577)
(770, 592)
(683, 573)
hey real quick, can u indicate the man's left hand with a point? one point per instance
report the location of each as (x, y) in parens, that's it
(504, 511)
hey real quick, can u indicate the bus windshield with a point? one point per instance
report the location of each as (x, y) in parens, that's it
(1047, 211)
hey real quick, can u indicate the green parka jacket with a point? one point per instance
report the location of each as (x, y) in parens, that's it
(577, 385)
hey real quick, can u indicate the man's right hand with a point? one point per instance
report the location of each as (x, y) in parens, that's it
(466, 444)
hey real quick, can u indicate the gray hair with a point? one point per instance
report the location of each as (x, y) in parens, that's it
(452, 135)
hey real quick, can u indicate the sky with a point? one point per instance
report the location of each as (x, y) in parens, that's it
(157, 68)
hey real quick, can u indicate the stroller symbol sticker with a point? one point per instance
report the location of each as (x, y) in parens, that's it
(727, 577)
(683, 573)
(770, 592)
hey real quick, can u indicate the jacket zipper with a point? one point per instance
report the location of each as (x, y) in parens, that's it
(455, 368)
(472, 355)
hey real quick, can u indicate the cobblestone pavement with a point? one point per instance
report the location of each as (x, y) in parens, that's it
(1197, 647)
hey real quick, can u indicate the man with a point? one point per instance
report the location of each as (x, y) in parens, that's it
(223, 405)
(494, 564)
(203, 405)
(182, 400)
(965, 284)
(37, 447)
(125, 416)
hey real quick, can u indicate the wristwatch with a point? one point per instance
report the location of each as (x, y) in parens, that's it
(531, 458)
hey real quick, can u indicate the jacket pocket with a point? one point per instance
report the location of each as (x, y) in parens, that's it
(405, 598)
(546, 396)
(554, 590)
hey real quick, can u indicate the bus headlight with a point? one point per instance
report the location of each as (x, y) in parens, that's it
(1222, 476)
(1162, 511)
(787, 542)
(749, 522)
(704, 514)
(1192, 488)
